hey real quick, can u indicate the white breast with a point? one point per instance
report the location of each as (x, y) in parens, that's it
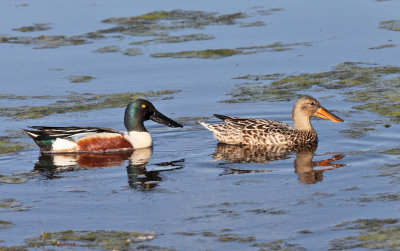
(61, 145)
(139, 139)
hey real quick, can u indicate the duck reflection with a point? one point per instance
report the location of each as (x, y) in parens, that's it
(139, 177)
(51, 165)
(304, 165)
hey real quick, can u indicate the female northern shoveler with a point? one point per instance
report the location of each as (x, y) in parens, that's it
(241, 131)
(97, 139)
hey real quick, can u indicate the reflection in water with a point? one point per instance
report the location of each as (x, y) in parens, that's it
(303, 164)
(139, 177)
(51, 165)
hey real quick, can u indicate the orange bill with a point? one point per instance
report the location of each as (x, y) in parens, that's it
(324, 114)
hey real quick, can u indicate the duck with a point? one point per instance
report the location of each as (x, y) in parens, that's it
(248, 131)
(72, 139)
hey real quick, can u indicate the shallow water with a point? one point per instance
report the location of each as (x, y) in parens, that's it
(192, 193)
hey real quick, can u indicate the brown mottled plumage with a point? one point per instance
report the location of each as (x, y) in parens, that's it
(242, 131)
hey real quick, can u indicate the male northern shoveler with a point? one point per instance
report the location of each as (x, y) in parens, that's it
(96, 139)
(241, 131)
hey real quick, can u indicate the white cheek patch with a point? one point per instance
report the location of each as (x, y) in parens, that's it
(64, 145)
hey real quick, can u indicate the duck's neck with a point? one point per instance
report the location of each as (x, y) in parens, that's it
(301, 122)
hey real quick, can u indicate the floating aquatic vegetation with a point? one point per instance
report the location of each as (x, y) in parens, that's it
(157, 22)
(374, 234)
(377, 87)
(359, 128)
(7, 146)
(44, 42)
(80, 102)
(10, 204)
(268, 211)
(253, 24)
(393, 25)
(108, 49)
(220, 53)
(13, 179)
(383, 46)
(108, 240)
(175, 39)
(261, 77)
(390, 170)
(378, 197)
(132, 52)
(177, 19)
(269, 11)
(34, 27)
(80, 78)
(153, 248)
(5, 224)
(278, 245)
(224, 235)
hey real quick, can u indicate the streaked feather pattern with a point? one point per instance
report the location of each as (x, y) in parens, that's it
(243, 131)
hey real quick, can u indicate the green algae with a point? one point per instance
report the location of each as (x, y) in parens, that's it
(379, 197)
(34, 27)
(267, 211)
(44, 42)
(393, 25)
(269, 11)
(280, 244)
(107, 240)
(12, 205)
(76, 102)
(254, 77)
(152, 248)
(383, 46)
(108, 49)
(157, 24)
(375, 88)
(7, 146)
(13, 179)
(5, 224)
(13, 248)
(175, 39)
(132, 52)
(80, 78)
(374, 234)
(210, 53)
(223, 235)
(178, 19)
(359, 128)
(253, 24)
(232, 237)
(225, 52)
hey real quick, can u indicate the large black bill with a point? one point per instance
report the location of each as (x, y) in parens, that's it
(162, 119)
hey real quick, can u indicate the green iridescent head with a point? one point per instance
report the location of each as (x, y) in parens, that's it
(141, 110)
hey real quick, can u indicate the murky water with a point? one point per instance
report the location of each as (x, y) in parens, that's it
(194, 59)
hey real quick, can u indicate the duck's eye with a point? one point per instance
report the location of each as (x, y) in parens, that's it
(312, 103)
(143, 106)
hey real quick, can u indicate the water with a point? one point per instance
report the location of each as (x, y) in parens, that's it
(179, 190)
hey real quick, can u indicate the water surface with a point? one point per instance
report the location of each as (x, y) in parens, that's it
(190, 192)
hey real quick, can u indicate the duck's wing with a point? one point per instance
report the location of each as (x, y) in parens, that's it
(253, 124)
(71, 131)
